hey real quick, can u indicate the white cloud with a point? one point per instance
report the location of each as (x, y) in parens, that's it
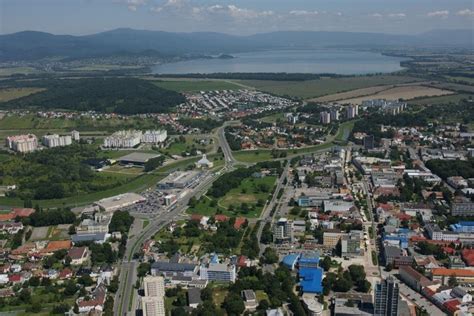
(133, 5)
(376, 15)
(466, 12)
(303, 13)
(397, 15)
(441, 14)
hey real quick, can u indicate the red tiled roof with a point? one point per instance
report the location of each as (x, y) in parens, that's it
(76, 252)
(58, 245)
(468, 256)
(452, 306)
(241, 261)
(7, 217)
(239, 221)
(65, 273)
(14, 278)
(450, 272)
(449, 250)
(23, 212)
(196, 217)
(221, 218)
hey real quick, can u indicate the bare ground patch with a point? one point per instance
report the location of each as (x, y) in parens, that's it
(403, 92)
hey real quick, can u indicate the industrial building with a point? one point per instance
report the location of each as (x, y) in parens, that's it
(137, 159)
(179, 180)
(22, 143)
(117, 202)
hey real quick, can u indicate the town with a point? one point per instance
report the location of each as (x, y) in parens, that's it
(288, 209)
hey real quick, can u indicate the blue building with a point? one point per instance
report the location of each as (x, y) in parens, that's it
(290, 261)
(311, 280)
(309, 261)
(463, 227)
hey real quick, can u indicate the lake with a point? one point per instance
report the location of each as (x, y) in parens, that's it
(344, 62)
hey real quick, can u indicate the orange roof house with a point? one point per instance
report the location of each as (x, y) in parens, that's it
(58, 245)
(239, 221)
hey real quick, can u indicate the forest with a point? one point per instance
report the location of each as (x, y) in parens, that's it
(110, 95)
(450, 168)
(54, 173)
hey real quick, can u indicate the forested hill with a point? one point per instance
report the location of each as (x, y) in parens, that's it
(118, 95)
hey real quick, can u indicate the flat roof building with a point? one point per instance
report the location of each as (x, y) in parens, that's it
(137, 158)
(117, 202)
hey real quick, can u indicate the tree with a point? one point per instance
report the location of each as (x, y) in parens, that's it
(233, 304)
(357, 272)
(109, 306)
(85, 280)
(60, 309)
(34, 281)
(343, 285)
(452, 281)
(363, 286)
(143, 269)
(72, 230)
(270, 256)
(180, 311)
(70, 288)
(325, 263)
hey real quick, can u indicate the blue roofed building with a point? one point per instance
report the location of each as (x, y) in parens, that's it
(309, 261)
(311, 280)
(98, 238)
(290, 260)
(463, 227)
(215, 259)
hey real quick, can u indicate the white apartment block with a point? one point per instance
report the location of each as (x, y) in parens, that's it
(153, 303)
(154, 137)
(123, 139)
(55, 140)
(22, 143)
(75, 136)
(325, 117)
(154, 286)
(153, 306)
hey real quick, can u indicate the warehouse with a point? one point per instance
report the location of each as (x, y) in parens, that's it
(179, 180)
(137, 159)
(117, 202)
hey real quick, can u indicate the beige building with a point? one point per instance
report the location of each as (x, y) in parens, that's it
(153, 303)
(331, 238)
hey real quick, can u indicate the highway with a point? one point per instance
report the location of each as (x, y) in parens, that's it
(129, 265)
(266, 216)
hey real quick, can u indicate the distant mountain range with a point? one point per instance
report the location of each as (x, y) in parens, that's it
(32, 45)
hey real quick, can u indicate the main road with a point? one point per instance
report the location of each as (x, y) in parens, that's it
(129, 264)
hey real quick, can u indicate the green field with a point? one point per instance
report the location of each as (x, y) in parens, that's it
(316, 88)
(136, 184)
(248, 192)
(5, 72)
(445, 99)
(15, 93)
(196, 85)
(177, 147)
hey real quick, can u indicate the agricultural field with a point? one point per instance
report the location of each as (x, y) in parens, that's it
(446, 99)
(252, 191)
(5, 72)
(325, 86)
(196, 85)
(15, 93)
(402, 92)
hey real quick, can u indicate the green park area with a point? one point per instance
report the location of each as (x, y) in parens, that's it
(247, 200)
(190, 85)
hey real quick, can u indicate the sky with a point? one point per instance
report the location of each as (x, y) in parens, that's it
(241, 17)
